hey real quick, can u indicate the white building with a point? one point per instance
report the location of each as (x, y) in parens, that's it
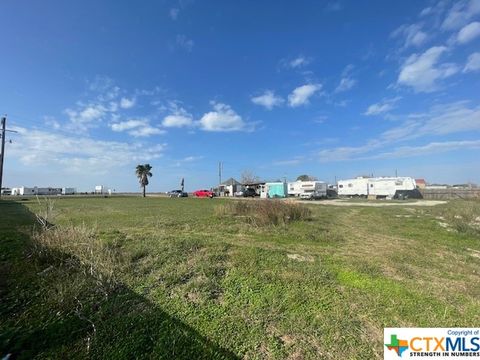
(68, 191)
(316, 189)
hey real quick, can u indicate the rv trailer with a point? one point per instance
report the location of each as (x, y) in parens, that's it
(353, 187)
(379, 187)
(307, 189)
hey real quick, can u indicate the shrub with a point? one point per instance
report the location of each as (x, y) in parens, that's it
(266, 212)
(464, 216)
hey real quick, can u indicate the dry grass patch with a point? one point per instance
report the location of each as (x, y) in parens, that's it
(266, 212)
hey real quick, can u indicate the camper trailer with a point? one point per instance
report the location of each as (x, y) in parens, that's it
(379, 187)
(307, 189)
(393, 187)
(353, 187)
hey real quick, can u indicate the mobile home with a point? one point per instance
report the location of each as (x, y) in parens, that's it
(311, 189)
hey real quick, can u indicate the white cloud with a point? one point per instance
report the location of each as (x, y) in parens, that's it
(137, 128)
(439, 121)
(173, 13)
(298, 62)
(268, 100)
(333, 6)
(86, 116)
(382, 107)
(301, 95)
(223, 118)
(145, 131)
(346, 83)
(460, 13)
(412, 34)
(422, 73)
(179, 118)
(469, 32)
(473, 63)
(77, 154)
(184, 42)
(430, 148)
(126, 103)
(128, 125)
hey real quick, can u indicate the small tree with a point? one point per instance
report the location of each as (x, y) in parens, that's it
(248, 177)
(143, 173)
(306, 178)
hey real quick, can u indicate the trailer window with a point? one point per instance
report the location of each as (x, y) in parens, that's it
(350, 185)
(340, 186)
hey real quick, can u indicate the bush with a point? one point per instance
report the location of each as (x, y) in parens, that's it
(464, 216)
(265, 212)
(79, 248)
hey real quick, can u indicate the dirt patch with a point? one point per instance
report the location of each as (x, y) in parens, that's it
(299, 257)
(341, 202)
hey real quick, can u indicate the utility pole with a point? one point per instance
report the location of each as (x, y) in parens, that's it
(4, 124)
(220, 168)
(2, 155)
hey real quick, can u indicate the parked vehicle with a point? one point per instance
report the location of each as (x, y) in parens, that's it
(249, 192)
(177, 194)
(204, 193)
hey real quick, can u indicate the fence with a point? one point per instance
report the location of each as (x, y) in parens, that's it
(450, 194)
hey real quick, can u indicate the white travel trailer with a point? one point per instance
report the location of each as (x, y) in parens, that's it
(23, 190)
(392, 187)
(353, 187)
(309, 189)
(386, 187)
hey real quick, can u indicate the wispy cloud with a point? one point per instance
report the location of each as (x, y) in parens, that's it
(460, 14)
(347, 81)
(439, 121)
(469, 32)
(268, 100)
(137, 128)
(333, 6)
(473, 63)
(302, 94)
(184, 43)
(173, 13)
(411, 35)
(423, 71)
(382, 107)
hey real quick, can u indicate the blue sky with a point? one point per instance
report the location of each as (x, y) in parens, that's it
(327, 88)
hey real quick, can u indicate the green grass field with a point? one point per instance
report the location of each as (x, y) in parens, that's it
(125, 278)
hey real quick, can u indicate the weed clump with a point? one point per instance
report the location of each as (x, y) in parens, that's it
(265, 213)
(464, 216)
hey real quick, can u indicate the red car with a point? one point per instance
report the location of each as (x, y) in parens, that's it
(203, 193)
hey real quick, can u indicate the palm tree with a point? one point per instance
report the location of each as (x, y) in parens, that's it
(143, 173)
